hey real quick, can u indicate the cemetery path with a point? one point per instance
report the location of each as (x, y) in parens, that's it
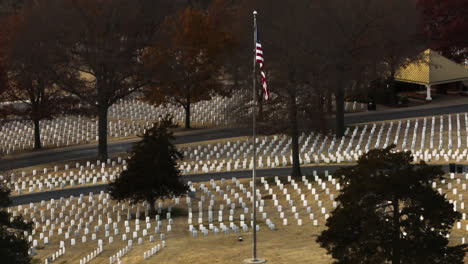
(90, 151)
(56, 194)
(306, 170)
(401, 113)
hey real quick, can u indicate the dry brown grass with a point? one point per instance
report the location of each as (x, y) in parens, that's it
(292, 244)
(287, 244)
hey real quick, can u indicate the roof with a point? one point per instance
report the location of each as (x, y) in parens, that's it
(432, 69)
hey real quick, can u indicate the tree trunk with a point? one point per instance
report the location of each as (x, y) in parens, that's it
(260, 111)
(187, 115)
(37, 135)
(329, 98)
(396, 258)
(393, 98)
(152, 211)
(294, 134)
(339, 100)
(102, 132)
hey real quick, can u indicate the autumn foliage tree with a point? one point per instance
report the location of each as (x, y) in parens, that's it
(187, 61)
(445, 24)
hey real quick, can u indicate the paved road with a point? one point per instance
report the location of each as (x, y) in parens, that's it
(90, 151)
(306, 170)
(37, 197)
(399, 114)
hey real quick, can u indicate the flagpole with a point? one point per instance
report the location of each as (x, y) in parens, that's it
(254, 103)
(254, 258)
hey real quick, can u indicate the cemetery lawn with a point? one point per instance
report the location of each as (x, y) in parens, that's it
(291, 244)
(286, 244)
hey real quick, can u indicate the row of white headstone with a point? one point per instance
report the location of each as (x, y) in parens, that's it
(24, 184)
(97, 173)
(148, 254)
(44, 223)
(211, 112)
(54, 256)
(235, 196)
(92, 255)
(62, 131)
(275, 151)
(98, 209)
(125, 119)
(128, 117)
(116, 258)
(313, 191)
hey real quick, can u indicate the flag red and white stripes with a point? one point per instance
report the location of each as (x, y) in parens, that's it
(259, 56)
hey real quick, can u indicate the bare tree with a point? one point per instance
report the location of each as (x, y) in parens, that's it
(31, 66)
(291, 64)
(7, 7)
(3, 87)
(362, 34)
(317, 49)
(400, 38)
(106, 40)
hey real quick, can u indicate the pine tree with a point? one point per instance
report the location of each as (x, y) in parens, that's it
(13, 244)
(152, 171)
(389, 212)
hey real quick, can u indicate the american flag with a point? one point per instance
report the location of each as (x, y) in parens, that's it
(259, 56)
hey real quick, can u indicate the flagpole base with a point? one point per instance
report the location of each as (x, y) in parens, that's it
(254, 261)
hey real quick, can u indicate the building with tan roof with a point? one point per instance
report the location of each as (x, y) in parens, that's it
(432, 69)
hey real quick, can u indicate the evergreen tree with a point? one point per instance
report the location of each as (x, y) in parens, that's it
(388, 212)
(13, 244)
(152, 171)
